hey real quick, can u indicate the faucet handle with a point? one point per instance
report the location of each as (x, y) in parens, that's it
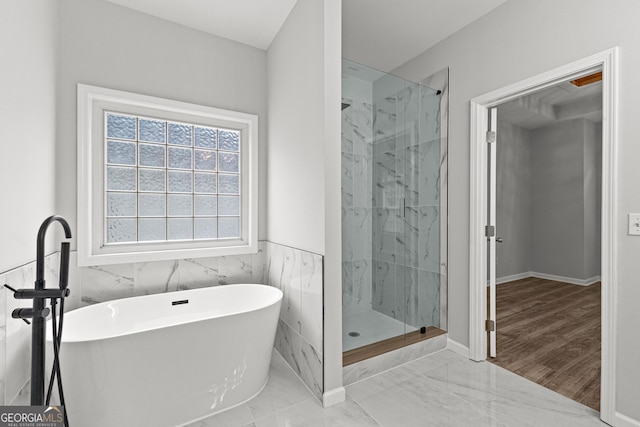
(28, 313)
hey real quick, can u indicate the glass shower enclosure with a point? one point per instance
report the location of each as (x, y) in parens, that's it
(392, 207)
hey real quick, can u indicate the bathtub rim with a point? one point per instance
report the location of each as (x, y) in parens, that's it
(273, 289)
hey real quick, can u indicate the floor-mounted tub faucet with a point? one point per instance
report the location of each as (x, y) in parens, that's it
(39, 312)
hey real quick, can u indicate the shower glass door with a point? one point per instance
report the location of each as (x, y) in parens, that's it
(391, 185)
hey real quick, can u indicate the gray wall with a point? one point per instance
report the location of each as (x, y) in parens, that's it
(28, 45)
(548, 200)
(107, 45)
(542, 35)
(557, 199)
(592, 198)
(513, 200)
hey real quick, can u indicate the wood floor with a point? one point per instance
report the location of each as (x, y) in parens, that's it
(549, 332)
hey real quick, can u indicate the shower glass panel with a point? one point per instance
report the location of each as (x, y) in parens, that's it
(391, 222)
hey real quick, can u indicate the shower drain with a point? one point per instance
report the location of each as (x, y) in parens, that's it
(354, 334)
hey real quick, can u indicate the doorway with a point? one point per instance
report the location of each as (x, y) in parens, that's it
(481, 252)
(547, 263)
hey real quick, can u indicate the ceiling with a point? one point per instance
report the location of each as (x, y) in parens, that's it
(385, 34)
(252, 22)
(382, 34)
(563, 101)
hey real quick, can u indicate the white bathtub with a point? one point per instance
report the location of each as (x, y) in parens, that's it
(160, 361)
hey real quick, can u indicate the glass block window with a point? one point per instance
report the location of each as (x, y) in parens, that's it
(169, 180)
(160, 179)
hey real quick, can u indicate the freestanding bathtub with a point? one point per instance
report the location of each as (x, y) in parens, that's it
(167, 359)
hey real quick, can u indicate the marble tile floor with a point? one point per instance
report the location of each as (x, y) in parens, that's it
(372, 326)
(442, 389)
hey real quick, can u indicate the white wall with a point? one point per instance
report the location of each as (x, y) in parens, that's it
(296, 135)
(517, 40)
(28, 47)
(304, 195)
(111, 46)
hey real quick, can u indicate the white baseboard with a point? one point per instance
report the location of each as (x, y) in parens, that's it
(624, 421)
(505, 279)
(456, 347)
(333, 397)
(581, 282)
(526, 274)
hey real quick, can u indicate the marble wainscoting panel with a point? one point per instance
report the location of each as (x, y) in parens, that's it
(156, 277)
(375, 365)
(305, 360)
(107, 282)
(285, 269)
(312, 298)
(299, 274)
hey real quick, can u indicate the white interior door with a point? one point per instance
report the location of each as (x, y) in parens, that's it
(492, 136)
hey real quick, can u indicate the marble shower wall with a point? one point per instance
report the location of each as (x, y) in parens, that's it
(407, 187)
(15, 335)
(357, 156)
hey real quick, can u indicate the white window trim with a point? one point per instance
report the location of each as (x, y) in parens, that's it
(92, 102)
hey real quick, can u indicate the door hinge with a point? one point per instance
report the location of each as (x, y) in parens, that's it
(490, 325)
(491, 137)
(489, 230)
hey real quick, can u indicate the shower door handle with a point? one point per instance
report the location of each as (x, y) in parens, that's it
(499, 240)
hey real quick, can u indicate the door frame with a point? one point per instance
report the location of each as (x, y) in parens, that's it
(607, 61)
